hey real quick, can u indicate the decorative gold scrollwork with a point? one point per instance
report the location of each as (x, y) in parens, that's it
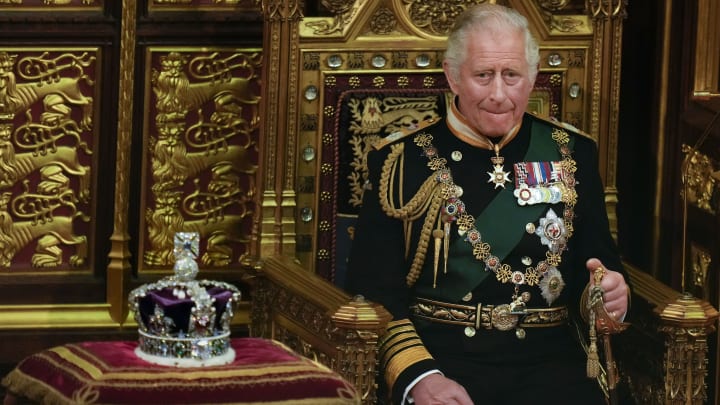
(700, 264)
(436, 17)
(44, 154)
(203, 164)
(373, 118)
(700, 180)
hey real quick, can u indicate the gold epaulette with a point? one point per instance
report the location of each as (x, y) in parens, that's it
(403, 132)
(564, 125)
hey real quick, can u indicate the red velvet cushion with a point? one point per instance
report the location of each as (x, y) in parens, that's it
(264, 371)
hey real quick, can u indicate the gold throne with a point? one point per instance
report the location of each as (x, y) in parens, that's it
(335, 83)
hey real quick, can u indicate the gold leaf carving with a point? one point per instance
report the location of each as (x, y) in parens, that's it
(373, 118)
(383, 21)
(203, 163)
(45, 185)
(700, 264)
(436, 16)
(700, 181)
(343, 11)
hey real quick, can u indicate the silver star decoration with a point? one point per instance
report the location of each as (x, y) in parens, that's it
(552, 231)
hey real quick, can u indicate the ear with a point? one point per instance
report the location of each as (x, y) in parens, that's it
(450, 77)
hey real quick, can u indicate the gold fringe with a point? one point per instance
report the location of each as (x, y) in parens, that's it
(23, 386)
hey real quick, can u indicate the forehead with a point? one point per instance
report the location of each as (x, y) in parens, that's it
(486, 46)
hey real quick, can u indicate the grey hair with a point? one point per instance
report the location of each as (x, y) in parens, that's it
(491, 17)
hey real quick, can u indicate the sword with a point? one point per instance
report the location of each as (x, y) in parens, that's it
(604, 325)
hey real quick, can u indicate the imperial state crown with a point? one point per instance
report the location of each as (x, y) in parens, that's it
(182, 321)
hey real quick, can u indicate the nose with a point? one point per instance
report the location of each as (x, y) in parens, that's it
(498, 91)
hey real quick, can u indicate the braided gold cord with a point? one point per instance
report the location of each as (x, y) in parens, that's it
(417, 205)
(428, 200)
(424, 241)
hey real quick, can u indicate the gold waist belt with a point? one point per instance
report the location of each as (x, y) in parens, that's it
(501, 317)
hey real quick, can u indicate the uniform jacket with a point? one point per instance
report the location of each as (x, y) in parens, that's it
(385, 247)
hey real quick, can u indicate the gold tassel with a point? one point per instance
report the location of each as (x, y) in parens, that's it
(437, 234)
(593, 361)
(446, 246)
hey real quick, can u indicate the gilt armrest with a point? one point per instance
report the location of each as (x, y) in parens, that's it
(669, 367)
(317, 319)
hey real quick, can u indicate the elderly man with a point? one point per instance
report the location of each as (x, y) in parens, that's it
(479, 231)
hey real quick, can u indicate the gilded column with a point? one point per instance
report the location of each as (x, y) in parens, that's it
(607, 17)
(276, 233)
(118, 271)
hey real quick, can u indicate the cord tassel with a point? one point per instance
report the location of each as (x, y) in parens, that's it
(593, 360)
(446, 246)
(438, 235)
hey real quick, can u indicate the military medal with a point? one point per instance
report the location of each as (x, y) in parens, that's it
(498, 176)
(536, 182)
(539, 182)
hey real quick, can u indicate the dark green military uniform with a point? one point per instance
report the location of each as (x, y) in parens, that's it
(546, 365)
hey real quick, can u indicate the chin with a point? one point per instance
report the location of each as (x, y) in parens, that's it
(494, 127)
(493, 131)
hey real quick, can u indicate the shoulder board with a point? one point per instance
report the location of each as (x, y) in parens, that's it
(564, 125)
(403, 132)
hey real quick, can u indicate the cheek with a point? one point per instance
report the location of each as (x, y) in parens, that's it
(520, 97)
(475, 91)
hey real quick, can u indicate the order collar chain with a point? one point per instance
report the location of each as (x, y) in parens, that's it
(545, 273)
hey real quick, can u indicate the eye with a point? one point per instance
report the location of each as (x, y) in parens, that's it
(511, 76)
(484, 76)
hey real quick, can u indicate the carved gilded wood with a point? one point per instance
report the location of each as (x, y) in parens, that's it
(200, 115)
(277, 199)
(701, 176)
(201, 131)
(669, 367)
(119, 268)
(49, 120)
(203, 5)
(607, 17)
(707, 51)
(318, 320)
(48, 149)
(52, 5)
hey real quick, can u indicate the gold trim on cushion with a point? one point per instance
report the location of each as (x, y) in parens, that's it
(108, 372)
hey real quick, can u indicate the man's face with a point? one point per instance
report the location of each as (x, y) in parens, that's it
(493, 83)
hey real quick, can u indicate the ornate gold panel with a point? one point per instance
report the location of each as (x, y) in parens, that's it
(201, 133)
(48, 131)
(52, 5)
(203, 5)
(707, 51)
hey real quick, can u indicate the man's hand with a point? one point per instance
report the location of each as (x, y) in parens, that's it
(436, 389)
(616, 290)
